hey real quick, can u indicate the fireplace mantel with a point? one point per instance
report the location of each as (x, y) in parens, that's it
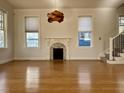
(61, 40)
(57, 39)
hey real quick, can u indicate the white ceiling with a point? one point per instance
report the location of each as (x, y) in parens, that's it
(33, 4)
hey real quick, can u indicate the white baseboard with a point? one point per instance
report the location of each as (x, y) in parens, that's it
(84, 59)
(30, 59)
(6, 61)
(35, 58)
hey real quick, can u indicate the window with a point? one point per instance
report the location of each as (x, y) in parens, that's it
(32, 32)
(121, 24)
(3, 29)
(85, 31)
(32, 39)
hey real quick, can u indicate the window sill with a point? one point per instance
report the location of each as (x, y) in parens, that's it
(32, 47)
(85, 46)
(3, 48)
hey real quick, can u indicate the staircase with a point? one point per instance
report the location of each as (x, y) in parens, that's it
(116, 50)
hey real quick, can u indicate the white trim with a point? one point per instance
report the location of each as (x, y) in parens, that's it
(6, 61)
(111, 49)
(92, 32)
(85, 58)
(30, 58)
(39, 31)
(41, 58)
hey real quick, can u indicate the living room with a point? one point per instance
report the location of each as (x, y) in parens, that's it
(89, 31)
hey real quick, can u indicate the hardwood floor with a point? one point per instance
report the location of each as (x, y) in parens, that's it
(61, 77)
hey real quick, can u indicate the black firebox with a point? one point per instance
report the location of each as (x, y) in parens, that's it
(57, 53)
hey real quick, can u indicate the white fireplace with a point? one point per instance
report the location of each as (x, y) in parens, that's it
(63, 43)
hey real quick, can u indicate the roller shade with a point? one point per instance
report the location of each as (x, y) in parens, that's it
(32, 24)
(85, 24)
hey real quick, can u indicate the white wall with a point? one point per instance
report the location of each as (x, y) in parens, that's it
(120, 10)
(7, 54)
(104, 26)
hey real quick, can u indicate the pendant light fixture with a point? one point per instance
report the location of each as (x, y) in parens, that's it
(56, 15)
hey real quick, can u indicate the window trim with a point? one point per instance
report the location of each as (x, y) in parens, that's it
(92, 32)
(25, 40)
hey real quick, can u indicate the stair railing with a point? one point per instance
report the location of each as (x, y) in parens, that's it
(116, 46)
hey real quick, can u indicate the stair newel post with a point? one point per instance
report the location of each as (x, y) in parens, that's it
(120, 44)
(111, 49)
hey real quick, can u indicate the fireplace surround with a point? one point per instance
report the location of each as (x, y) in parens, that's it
(58, 52)
(60, 42)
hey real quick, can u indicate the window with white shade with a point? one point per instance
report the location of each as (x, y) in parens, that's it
(32, 31)
(3, 29)
(121, 24)
(85, 31)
